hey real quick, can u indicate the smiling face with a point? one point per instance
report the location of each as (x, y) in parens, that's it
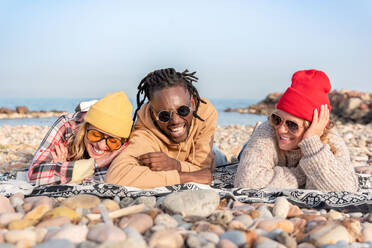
(288, 140)
(170, 99)
(98, 149)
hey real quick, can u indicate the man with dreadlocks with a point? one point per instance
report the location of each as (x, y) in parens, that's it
(172, 139)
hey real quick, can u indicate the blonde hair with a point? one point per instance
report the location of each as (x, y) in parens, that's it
(75, 144)
(324, 138)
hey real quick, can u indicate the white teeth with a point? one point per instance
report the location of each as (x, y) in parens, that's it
(284, 138)
(97, 151)
(177, 129)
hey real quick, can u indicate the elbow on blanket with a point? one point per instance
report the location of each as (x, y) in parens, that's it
(247, 183)
(353, 187)
(349, 185)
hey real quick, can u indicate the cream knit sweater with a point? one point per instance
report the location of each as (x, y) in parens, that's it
(313, 166)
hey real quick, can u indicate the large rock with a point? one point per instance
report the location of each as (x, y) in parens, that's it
(169, 238)
(188, 203)
(20, 224)
(270, 224)
(5, 205)
(6, 111)
(62, 211)
(281, 207)
(140, 222)
(37, 213)
(106, 232)
(347, 106)
(22, 110)
(237, 237)
(329, 233)
(73, 233)
(6, 218)
(58, 221)
(134, 239)
(15, 236)
(81, 201)
(350, 105)
(58, 243)
(33, 202)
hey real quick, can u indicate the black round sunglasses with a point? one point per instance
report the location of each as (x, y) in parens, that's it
(165, 115)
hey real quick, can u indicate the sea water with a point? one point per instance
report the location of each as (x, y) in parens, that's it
(69, 104)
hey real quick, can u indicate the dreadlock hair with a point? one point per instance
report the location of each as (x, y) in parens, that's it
(166, 78)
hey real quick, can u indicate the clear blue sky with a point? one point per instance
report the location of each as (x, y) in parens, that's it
(240, 49)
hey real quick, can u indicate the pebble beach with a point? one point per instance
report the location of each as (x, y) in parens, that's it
(203, 220)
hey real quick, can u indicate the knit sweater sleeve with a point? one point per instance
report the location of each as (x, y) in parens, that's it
(258, 165)
(324, 170)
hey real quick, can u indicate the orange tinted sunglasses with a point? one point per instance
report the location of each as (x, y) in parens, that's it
(112, 142)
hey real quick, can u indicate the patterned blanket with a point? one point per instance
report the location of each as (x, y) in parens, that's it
(222, 183)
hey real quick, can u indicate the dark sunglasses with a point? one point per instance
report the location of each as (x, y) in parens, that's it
(112, 142)
(165, 116)
(276, 120)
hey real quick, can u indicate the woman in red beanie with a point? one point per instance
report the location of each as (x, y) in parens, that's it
(297, 147)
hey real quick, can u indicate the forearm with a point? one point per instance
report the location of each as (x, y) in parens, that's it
(186, 177)
(189, 167)
(258, 168)
(127, 171)
(324, 170)
(203, 176)
(258, 176)
(283, 177)
(51, 173)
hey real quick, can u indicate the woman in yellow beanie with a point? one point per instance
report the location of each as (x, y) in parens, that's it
(81, 146)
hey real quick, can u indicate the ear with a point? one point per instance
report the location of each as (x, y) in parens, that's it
(152, 113)
(193, 103)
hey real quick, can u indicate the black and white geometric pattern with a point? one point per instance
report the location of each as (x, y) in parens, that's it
(222, 183)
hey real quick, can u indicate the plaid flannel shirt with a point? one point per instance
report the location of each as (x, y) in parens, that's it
(42, 170)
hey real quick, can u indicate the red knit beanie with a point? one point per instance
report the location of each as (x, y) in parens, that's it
(309, 90)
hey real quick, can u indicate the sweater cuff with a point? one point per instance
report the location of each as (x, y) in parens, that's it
(83, 168)
(310, 146)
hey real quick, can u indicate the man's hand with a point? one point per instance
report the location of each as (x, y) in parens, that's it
(60, 153)
(105, 161)
(159, 161)
(203, 176)
(319, 123)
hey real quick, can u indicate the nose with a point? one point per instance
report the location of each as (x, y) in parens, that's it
(102, 144)
(282, 128)
(174, 118)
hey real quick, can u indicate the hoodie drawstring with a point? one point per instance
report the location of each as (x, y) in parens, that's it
(193, 149)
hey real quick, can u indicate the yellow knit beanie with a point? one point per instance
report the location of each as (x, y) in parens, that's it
(112, 114)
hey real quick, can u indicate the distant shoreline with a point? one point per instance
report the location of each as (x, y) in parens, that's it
(41, 114)
(347, 106)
